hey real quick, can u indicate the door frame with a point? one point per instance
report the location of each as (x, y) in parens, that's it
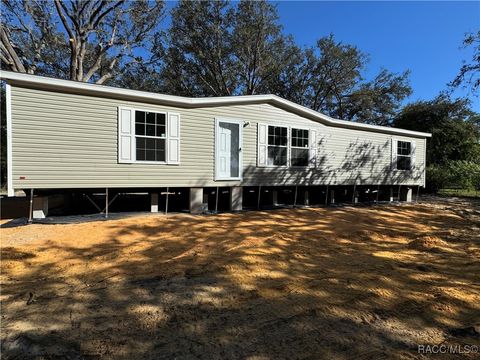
(240, 124)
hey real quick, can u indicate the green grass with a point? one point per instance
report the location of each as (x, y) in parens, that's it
(460, 192)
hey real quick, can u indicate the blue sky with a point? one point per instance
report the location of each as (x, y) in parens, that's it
(424, 37)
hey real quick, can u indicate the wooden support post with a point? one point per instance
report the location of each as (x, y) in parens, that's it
(106, 202)
(295, 197)
(399, 190)
(166, 202)
(326, 196)
(378, 193)
(30, 212)
(306, 200)
(258, 197)
(353, 195)
(418, 190)
(332, 196)
(391, 194)
(216, 200)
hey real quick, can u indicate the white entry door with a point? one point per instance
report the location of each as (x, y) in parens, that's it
(228, 149)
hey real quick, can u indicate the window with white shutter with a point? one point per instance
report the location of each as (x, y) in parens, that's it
(284, 146)
(148, 137)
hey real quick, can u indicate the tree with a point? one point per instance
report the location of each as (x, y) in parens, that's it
(454, 127)
(334, 72)
(293, 82)
(214, 48)
(336, 86)
(469, 73)
(96, 35)
(260, 49)
(197, 51)
(30, 40)
(378, 101)
(220, 49)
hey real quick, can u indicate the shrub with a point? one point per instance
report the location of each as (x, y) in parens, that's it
(454, 174)
(437, 178)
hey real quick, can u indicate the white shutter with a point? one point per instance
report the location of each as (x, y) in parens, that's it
(262, 134)
(173, 139)
(413, 151)
(394, 154)
(312, 148)
(289, 147)
(126, 135)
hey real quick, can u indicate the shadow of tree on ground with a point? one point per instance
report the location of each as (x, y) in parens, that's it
(293, 283)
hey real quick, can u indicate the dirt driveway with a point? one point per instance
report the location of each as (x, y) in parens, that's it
(333, 283)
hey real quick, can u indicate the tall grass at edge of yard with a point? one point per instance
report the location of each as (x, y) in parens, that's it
(472, 193)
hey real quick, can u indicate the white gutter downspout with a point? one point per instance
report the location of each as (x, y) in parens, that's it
(8, 108)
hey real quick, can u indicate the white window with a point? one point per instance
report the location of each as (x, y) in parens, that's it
(404, 155)
(285, 146)
(148, 136)
(299, 147)
(277, 149)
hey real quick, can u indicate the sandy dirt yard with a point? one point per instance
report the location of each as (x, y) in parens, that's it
(316, 283)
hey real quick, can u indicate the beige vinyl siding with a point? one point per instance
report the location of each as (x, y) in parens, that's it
(63, 140)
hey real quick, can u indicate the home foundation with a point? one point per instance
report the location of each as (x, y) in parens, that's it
(209, 200)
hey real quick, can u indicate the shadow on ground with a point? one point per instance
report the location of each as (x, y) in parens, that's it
(339, 283)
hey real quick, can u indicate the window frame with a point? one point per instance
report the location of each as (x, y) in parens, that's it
(149, 137)
(287, 165)
(410, 156)
(308, 148)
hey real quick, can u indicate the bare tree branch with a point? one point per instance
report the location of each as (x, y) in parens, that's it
(12, 54)
(59, 7)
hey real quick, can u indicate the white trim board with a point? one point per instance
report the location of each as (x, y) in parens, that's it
(8, 108)
(135, 95)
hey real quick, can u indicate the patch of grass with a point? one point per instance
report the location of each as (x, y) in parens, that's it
(460, 192)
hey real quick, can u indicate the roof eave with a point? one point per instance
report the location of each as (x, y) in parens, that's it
(102, 90)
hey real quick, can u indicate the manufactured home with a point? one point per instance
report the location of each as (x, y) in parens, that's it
(231, 152)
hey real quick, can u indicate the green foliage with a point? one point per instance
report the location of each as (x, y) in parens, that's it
(459, 192)
(453, 152)
(455, 128)
(453, 174)
(436, 178)
(197, 50)
(211, 48)
(378, 101)
(217, 48)
(221, 48)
